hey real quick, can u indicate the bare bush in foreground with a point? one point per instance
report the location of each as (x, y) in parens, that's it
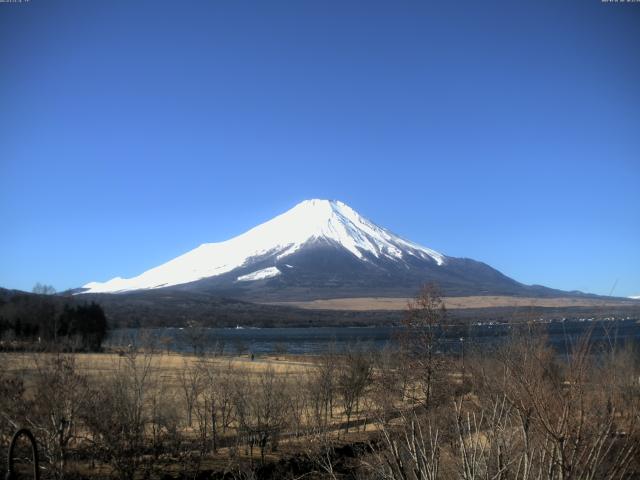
(117, 417)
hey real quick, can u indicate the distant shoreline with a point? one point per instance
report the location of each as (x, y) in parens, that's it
(490, 301)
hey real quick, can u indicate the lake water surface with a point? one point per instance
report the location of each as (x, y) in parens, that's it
(561, 335)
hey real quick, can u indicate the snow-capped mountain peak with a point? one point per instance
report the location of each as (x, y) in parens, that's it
(309, 222)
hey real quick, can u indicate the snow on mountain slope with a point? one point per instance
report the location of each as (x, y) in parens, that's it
(268, 272)
(307, 222)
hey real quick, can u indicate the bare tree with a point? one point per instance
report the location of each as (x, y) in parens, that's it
(190, 380)
(322, 386)
(13, 407)
(225, 393)
(43, 289)
(262, 411)
(321, 450)
(409, 451)
(538, 418)
(298, 406)
(164, 418)
(116, 417)
(390, 382)
(354, 376)
(166, 342)
(59, 396)
(195, 337)
(423, 326)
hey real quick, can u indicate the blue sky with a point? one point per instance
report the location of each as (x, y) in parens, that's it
(508, 132)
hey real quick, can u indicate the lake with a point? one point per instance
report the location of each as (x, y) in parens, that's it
(316, 340)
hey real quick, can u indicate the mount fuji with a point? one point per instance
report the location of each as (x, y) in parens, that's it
(318, 249)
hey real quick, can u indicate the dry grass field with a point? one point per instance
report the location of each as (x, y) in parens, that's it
(380, 303)
(168, 367)
(279, 383)
(166, 364)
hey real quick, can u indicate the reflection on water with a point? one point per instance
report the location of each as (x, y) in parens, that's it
(561, 335)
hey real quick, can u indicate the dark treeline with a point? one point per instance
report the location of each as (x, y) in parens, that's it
(46, 320)
(175, 308)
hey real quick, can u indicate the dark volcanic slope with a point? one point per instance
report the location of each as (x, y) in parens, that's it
(324, 270)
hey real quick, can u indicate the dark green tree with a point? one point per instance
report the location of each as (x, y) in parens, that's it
(86, 321)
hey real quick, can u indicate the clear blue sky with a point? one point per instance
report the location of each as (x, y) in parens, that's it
(504, 131)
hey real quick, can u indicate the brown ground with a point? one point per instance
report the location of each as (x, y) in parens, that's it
(167, 365)
(166, 369)
(379, 303)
